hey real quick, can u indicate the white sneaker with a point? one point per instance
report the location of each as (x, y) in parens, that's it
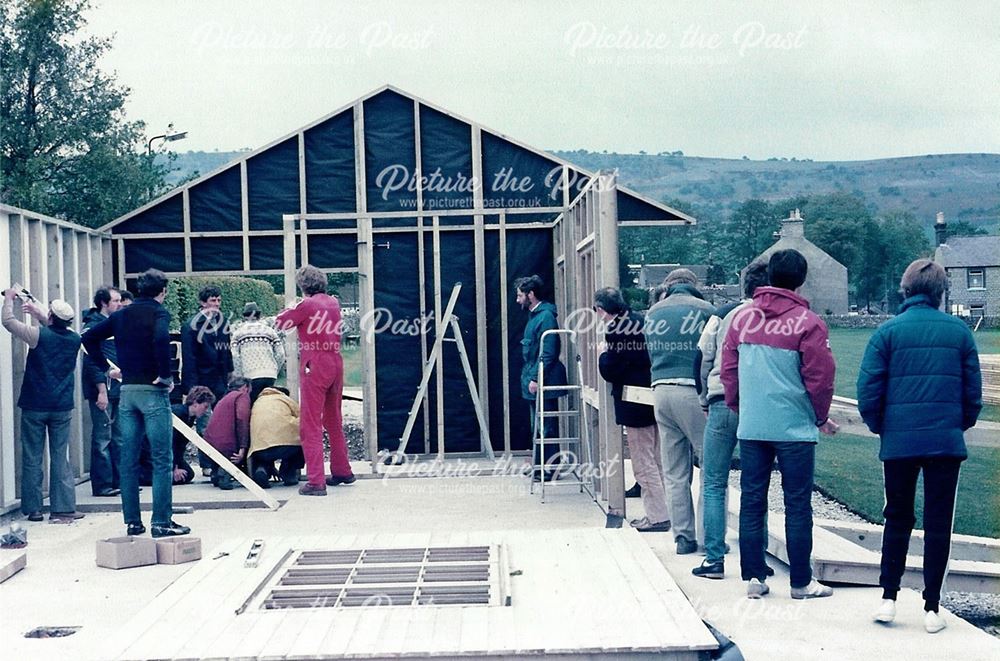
(756, 589)
(812, 591)
(886, 613)
(933, 622)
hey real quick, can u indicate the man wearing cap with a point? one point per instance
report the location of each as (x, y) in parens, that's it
(258, 351)
(46, 403)
(673, 328)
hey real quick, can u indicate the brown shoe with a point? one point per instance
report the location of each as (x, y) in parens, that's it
(64, 517)
(308, 489)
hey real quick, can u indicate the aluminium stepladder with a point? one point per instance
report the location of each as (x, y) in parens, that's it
(575, 450)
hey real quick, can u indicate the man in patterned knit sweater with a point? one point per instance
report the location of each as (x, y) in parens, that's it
(258, 351)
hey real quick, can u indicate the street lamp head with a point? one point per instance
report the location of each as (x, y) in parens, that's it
(171, 137)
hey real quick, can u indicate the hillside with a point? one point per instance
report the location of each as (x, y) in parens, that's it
(963, 186)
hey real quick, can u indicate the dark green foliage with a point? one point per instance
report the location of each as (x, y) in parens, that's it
(182, 297)
(66, 147)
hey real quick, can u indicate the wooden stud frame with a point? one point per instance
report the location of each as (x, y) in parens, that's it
(53, 259)
(579, 230)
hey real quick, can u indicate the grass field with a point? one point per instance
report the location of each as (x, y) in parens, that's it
(848, 469)
(848, 345)
(352, 365)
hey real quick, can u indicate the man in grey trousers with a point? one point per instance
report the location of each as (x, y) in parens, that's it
(673, 327)
(46, 404)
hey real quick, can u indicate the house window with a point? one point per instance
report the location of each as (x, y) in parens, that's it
(977, 279)
(977, 312)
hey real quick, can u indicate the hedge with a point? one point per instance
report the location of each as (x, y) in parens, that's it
(182, 297)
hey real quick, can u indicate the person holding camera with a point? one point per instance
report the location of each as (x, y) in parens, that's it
(46, 403)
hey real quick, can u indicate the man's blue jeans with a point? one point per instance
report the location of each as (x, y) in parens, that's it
(796, 462)
(720, 441)
(146, 410)
(105, 447)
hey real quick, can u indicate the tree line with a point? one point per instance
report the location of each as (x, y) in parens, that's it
(875, 246)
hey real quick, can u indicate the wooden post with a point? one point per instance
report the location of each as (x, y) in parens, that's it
(504, 330)
(69, 264)
(421, 265)
(606, 250)
(186, 205)
(366, 286)
(479, 238)
(8, 275)
(438, 328)
(245, 214)
(291, 337)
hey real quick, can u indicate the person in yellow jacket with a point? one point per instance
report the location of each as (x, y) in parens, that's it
(274, 435)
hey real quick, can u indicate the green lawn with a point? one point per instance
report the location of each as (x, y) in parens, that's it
(352, 365)
(847, 468)
(848, 345)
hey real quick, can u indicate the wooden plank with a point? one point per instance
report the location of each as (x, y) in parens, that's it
(245, 214)
(54, 264)
(366, 283)
(303, 205)
(291, 335)
(689, 632)
(186, 206)
(103, 252)
(224, 463)
(139, 631)
(69, 265)
(422, 284)
(121, 264)
(9, 227)
(504, 331)
(185, 626)
(421, 266)
(228, 632)
(479, 238)
(298, 634)
(439, 329)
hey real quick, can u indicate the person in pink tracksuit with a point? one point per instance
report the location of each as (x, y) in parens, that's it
(321, 380)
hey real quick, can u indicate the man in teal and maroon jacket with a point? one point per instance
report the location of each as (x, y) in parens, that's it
(777, 373)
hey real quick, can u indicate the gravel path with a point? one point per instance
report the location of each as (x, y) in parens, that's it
(979, 609)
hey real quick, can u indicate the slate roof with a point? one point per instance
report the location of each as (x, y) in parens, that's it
(965, 251)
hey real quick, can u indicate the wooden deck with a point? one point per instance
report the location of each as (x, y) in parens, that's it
(574, 592)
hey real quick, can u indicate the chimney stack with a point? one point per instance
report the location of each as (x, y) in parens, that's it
(941, 229)
(793, 226)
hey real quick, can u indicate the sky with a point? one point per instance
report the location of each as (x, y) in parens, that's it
(845, 81)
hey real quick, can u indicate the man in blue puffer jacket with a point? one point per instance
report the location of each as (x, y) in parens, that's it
(919, 389)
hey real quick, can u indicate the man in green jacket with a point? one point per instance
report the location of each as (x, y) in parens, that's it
(542, 317)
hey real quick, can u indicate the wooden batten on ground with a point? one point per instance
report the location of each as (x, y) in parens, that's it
(11, 562)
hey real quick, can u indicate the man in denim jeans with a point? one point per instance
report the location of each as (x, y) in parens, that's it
(142, 342)
(102, 390)
(777, 373)
(720, 428)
